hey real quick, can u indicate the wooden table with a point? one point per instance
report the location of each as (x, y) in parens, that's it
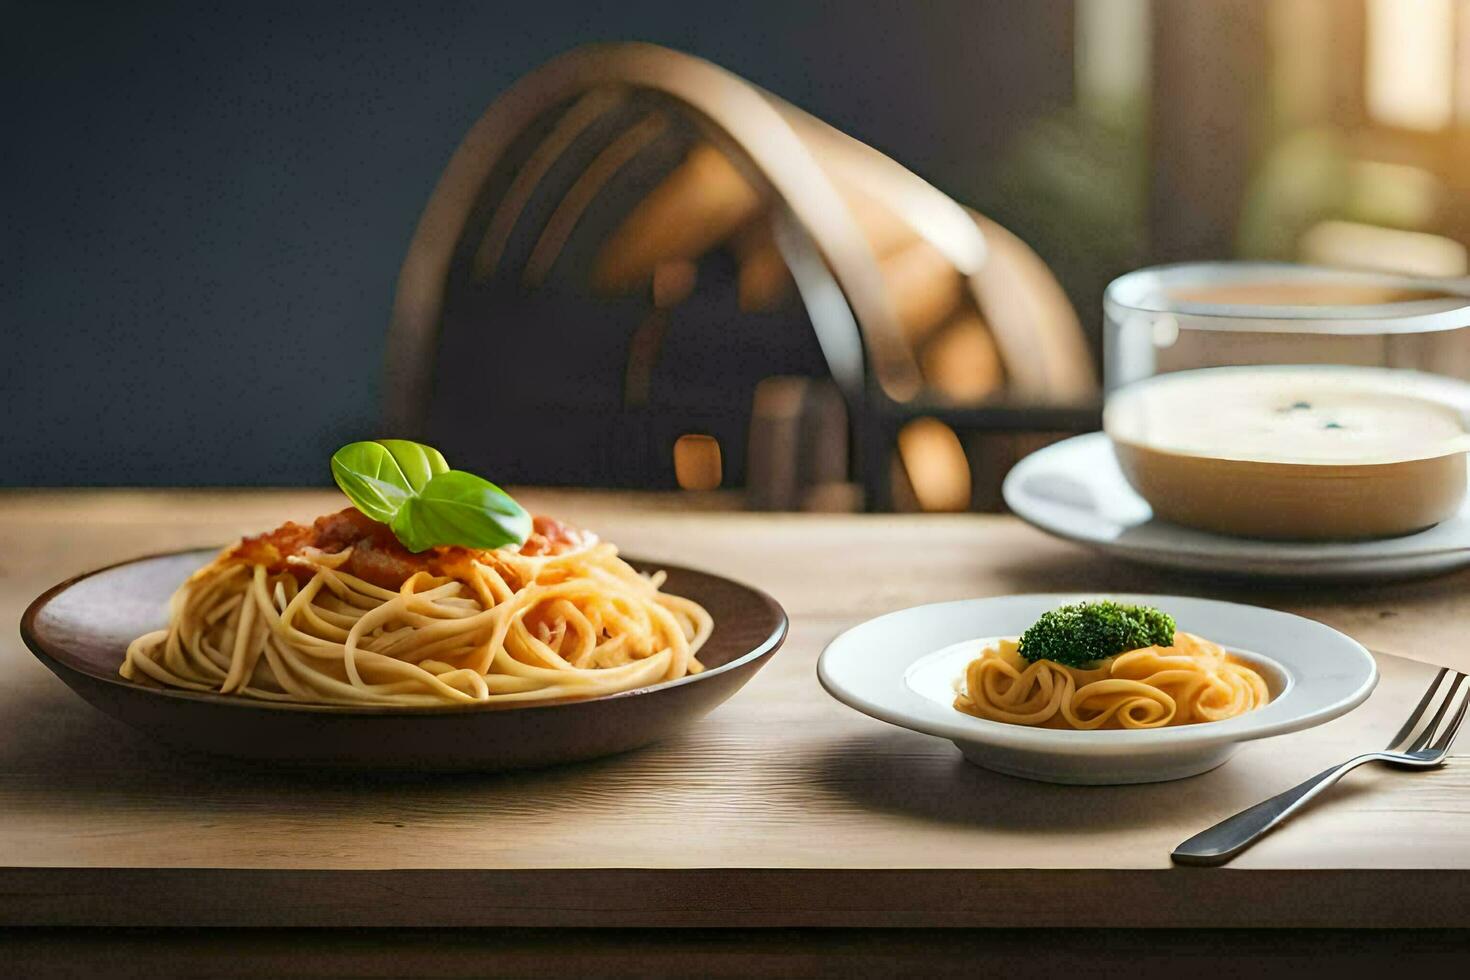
(783, 808)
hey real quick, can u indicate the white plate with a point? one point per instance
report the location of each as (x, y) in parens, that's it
(1075, 490)
(901, 668)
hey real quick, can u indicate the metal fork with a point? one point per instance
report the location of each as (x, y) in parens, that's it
(1416, 746)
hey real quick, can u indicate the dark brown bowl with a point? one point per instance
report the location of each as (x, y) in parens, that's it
(81, 628)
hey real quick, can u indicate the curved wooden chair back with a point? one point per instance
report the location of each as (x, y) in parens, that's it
(581, 212)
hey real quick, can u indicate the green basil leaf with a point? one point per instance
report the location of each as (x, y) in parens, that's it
(418, 463)
(410, 487)
(381, 476)
(460, 508)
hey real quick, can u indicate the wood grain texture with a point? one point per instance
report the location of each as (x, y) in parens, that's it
(781, 808)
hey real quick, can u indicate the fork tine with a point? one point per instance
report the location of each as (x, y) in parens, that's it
(1418, 712)
(1447, 739)
(1444, 706)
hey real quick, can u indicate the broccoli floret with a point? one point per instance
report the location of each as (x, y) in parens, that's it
(1086, 632)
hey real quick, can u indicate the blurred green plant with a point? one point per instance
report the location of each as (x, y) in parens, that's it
(1312, 175)
(1073, 186)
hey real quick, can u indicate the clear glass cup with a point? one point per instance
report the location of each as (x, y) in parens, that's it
(1212, 314)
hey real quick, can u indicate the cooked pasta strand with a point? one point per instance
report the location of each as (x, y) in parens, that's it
(1189, 682)
(508, 629)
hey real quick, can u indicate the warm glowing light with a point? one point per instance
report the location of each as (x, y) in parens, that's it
(1393, 194)
(697, 462)
(962, 362)
(1111, 54)
(1462, 95)
(1354, 246)
(1411, 53)
(936, 465)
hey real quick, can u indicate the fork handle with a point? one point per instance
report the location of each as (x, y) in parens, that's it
(1234, 834)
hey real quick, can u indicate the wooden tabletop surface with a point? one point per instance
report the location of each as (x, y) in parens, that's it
(782, 807)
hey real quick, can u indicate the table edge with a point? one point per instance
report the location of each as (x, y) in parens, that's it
(739, 897)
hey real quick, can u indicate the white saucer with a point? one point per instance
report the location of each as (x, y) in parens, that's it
(1075, 490)
(901, 668)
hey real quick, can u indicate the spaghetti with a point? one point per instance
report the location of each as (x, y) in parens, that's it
(341, 613)
(1191, 681)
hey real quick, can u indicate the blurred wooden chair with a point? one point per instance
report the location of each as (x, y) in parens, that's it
(640, 270)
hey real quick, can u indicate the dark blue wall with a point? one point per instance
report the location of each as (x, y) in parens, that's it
(206, 205)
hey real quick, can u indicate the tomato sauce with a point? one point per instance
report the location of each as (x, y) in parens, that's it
(379, 557)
